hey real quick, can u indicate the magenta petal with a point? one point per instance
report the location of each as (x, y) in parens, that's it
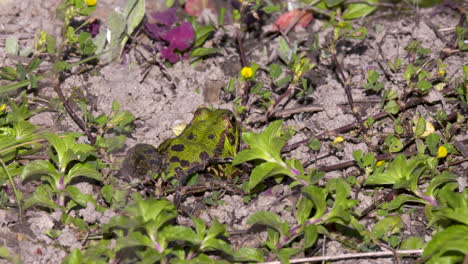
(167, 17)
(180, 37)
(168, 54)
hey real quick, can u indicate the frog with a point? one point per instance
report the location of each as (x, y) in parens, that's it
(212, 135)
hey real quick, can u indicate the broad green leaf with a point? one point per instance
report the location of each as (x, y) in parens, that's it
(42, 196)
(398, 171)
(134, 12)
(388, 226)
(180, 233)
(200, 52)
(78, 197)
(117, 28)
(317, 196)
(200, 227)
(40, 167)
(134, 239)
(432, 141)
(12, 45)
(310, 236)
(107, 193)
(75, 257)
(275, 71)
(264, 171)
(217, 244)
(284, 51)
(358, 10)
(454, 238)
(4, 253)
(332, 3)
(202, 33)
(269, 219)
(249, 254)
(84, 170)
(151, 209)
(402, 199)
(286, 253)
(412, 243)
(392, 107)
(420, 127)
(443, 178)
(303, 210)
(265, 145)
(216, 229)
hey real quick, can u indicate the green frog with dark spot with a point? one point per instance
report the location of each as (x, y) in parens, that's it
(213, 134)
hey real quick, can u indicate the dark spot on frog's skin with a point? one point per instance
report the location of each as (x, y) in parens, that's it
(149, 151)
(184, 163)
(211, 136)
(178, 147)
(174, 159)
(204, 156)
(191, 137)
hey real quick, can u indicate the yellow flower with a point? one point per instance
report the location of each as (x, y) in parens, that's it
(442, 152)
(91, 2)
(338, 140)
(380, 163)
(441, 72)
(247, 72)
(2, 108)
(341, 24)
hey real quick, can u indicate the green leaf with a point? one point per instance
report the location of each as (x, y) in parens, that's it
(12, 45)
(84, 170)
(134, 239)
(264, 171)
(41, 196)
(107, 193)
(117, 26)
(216, 229)
(402, 199)
(394, 144)
(269, 219)
(265, 145)
(424, 85)
(180, 233)
(286, 253)
(358, 10)
(412, 243)
(4, 253)
(200, 227)
(388, 226)
(332, 3)
(310, 236)
(317, 196)
(392, 107)
(201, 52)
(446, 242)
(284, 51)
(217, 244)
(275, 71)
(248, 255)
(432, 141)
(439, 180)
(400, 172)
(75, 257)
(202, 33)
(420, 126)
(39, 167)
(78, 197)
(134, 12)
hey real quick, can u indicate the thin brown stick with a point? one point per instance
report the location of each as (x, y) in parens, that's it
(382, 254)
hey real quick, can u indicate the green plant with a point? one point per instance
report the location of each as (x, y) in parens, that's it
(68, 160)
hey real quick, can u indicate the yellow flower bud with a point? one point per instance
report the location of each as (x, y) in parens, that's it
(441, 72)
(91, 2)
(380, 163)
(442, 152)
(338, 140)
(247, 72)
